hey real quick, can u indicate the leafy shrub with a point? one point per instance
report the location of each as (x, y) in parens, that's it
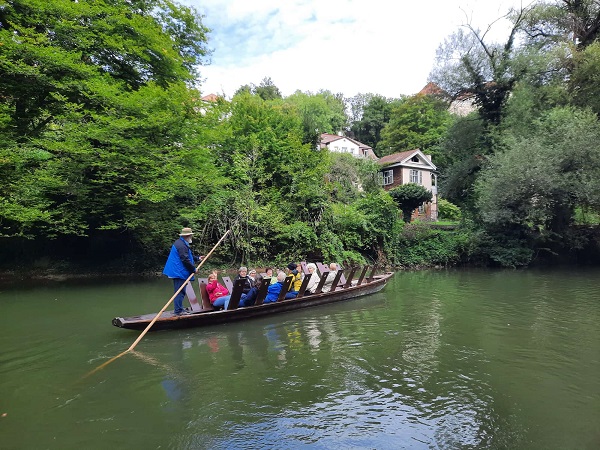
(420, 245)
(448, 210)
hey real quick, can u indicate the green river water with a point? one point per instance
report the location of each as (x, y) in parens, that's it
(461, 359)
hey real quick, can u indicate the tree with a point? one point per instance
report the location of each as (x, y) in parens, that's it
(408, 197)
(532, 187)
(356, 106)
(419, 122)
(468, 64)
(321, 113)
(96, 114)
(374, 114)
(584, 83)
(267, 89)
(563, 21)
(459, 158)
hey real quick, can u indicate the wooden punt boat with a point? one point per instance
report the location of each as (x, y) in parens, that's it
(342, 289)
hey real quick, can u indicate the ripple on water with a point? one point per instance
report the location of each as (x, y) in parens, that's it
(37, 354)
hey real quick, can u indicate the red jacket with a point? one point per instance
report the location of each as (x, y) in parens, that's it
(215, 290)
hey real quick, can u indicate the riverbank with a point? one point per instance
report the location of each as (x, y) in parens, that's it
(418, 246)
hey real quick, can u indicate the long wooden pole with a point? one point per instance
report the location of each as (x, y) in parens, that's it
(175, 294)
(140, 337)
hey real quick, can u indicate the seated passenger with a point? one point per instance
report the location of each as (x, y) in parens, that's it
(295, 271)
(274, 289)
(217, 293)
(314, 279)
(252, 277)
(243, 275)
(269, 273)
(250, 298)
(330, 276)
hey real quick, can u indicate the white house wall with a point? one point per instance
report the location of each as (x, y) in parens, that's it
(339, 145)
(427, 183)
(425, 176)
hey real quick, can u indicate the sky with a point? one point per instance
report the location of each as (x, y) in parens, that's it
(383, 47)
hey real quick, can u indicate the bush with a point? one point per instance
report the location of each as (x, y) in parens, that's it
(448, 210)
(420, 245)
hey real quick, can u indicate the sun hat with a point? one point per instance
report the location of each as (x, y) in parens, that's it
(186, 232)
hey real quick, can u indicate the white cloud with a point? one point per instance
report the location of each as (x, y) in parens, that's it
(347, 46)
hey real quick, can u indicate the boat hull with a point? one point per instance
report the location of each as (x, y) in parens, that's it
(204, 318)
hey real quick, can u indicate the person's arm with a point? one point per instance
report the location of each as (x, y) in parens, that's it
(313, 282)
(329, 280)
(223, 289)
(210, 287)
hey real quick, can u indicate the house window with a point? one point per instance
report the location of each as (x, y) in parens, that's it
(344, 149)
(422, 209)
(416, 176)
(388, 177)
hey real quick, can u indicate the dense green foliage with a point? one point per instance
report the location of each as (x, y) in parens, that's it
(419, 122)
(448, 210)
(96, 115)
(106, 149)
(371, 113)
(523, 164)
(419, 245)
(408, 197)
(323, 112)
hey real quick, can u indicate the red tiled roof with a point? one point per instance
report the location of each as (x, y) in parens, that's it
(396, 157)
(326, 138)
(433, 89)
(210, 98)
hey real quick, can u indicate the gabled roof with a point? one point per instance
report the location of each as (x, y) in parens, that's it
(404, 159)
(210, 98)
(327, 138)
(434, 90)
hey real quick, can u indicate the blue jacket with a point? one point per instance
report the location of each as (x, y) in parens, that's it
(273, 292)
(180, 263)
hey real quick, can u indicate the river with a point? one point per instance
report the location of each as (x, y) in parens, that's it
(458, 359)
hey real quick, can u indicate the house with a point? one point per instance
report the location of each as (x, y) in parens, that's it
(343, 144)
(210, 98)
(412, 166)
(462, 104)
(209, 102)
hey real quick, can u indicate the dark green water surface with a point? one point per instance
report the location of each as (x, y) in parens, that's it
(437, 360)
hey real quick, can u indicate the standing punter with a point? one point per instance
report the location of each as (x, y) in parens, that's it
(180, 265)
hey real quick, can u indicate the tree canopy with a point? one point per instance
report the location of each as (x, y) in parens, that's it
(408, 197)
(419, 122)
(106, 146)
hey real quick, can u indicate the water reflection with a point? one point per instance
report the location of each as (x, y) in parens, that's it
(355, 383)
(469, 359)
